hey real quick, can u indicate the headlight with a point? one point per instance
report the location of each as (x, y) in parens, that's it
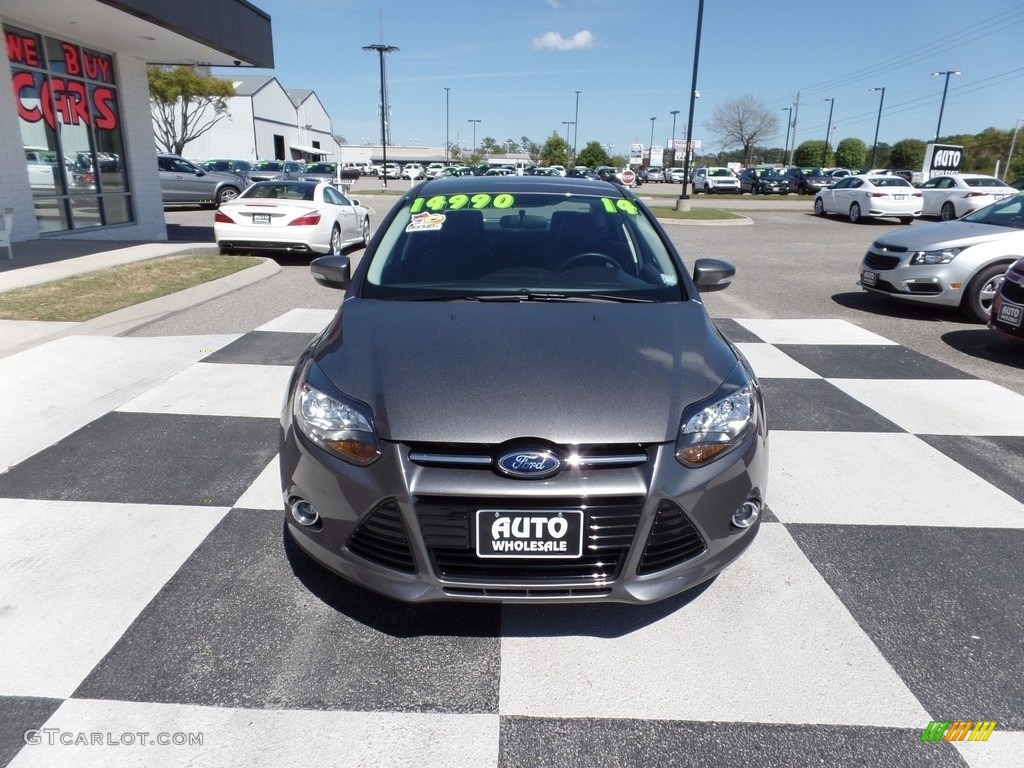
(342, 427)
(941, 256)
(720, 423)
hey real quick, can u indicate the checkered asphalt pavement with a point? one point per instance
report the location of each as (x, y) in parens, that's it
(147, 591)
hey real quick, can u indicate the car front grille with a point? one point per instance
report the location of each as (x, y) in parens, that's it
(878, 245)
(610, 523)
(1013, 291)
(381, 538)
(673, 540)
(879, 262)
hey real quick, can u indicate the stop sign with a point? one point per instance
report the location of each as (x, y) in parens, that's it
(628, 177)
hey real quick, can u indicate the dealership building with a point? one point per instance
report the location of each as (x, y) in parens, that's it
(76, 132)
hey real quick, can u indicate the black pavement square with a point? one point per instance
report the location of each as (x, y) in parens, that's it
(735, 332)
(869, 361)
(815, 405)
(149, 458)
(263, 348)
(612, 743)
(19, 714)
(250, 621)
(944, 606)
(999, 460)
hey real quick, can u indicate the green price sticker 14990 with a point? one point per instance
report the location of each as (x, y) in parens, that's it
(458, 202)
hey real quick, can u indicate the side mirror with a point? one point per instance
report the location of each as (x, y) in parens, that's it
(711, 275)
(200, 172)
(332, 271)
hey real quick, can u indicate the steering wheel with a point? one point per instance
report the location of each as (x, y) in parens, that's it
(597, 259)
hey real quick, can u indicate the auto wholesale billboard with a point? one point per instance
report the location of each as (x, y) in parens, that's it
(942, 158)
(636, 154)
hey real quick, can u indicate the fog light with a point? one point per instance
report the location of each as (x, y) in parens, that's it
(745, 516)
(304, 513)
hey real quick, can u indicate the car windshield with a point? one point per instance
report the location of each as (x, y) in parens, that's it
(522, 246)
(890, 181)
(984, 181)
(813, 172)
(1008, 212)
(271, 190)
(321, 168)
(268, 165)
(719, 172)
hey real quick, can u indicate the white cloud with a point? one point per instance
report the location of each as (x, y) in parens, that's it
(555, 4)
(553, 40)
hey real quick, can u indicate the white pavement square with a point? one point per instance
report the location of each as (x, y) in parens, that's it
(75, 575)
(788, 652)
(300, 321)
(835, 477)
(811, 332)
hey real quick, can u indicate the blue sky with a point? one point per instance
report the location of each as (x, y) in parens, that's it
(516, 66)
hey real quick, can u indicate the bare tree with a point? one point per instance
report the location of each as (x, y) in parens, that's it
(185, 104)
(743, 122)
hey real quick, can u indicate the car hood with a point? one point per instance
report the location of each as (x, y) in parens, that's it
(949, 233)
(470, 372)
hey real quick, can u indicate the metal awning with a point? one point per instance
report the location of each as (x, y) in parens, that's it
(309, 150)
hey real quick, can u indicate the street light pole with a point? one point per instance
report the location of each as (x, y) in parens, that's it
(382, 49)
(942, 106)
(789, 124)
(684, 196)
(878, 122)
(447, 128)
(828, 131)
(576, 127)
(650, 148)
(674, 112)
(474, 122)
(567, 123)
(1013, 142)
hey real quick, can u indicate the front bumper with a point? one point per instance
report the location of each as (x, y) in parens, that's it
(407, 530)
(938, 284)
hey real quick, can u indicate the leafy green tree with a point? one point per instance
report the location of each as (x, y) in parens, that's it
(185, 104)
(908, 153)
(850, 153)
(489, 146)
(593, 155)
(555, 151)
(812, 153)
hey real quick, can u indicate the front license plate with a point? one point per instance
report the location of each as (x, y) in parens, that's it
(1011, 314)
(507, 533)
(868, 278)
(261, 218)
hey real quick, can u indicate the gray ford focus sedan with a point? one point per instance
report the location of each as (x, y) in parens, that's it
(522, 399)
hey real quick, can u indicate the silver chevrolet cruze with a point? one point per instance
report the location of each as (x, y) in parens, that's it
(522, 399)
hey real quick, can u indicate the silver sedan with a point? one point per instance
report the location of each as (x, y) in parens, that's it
(952, 263)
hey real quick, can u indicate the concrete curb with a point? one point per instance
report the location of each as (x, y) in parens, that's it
(129, 318)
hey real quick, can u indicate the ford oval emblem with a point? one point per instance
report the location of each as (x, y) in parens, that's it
(529, 465)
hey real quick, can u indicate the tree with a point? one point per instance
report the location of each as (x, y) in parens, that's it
(850, 153)
(555, 151)
(908, 153)
(812, 153)
(743, 121)
(593, 155)
(489, 146)
(185, 104)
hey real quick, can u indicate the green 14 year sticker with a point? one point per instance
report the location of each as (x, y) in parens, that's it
(458, 202)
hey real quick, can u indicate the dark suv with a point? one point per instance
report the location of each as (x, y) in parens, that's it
(763, 181)
(807, 181)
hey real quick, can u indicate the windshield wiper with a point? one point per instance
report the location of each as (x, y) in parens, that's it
(590, 298)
